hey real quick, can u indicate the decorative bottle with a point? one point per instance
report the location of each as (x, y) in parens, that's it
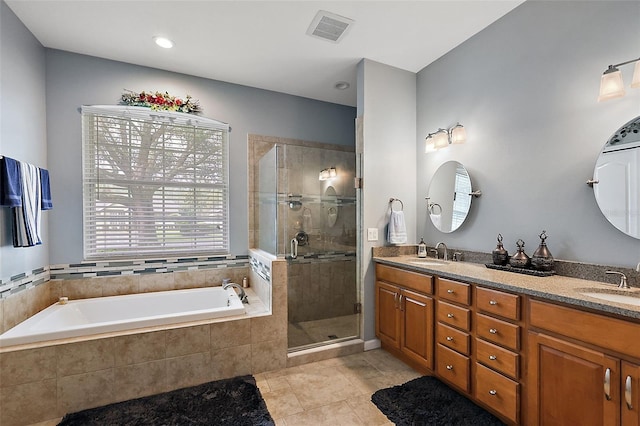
(500, 255)
(520, 259)
(422, 248)
(542, 259)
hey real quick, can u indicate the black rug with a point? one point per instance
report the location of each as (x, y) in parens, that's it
(428, 401)
(234, 402)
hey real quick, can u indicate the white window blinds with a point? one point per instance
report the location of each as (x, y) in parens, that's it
(154, 183)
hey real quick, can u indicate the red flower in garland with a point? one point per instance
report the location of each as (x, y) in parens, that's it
(160, 101)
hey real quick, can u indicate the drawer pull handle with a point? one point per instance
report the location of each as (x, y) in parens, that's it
(493, 392)
(449, 339)
(449, 315)
(450, 291)
(627, 393)
(493, 302)
(493, 331)
(449, 367)
(493, 357)
(607, 384)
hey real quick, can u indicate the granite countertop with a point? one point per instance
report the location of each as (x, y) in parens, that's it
(553, 288)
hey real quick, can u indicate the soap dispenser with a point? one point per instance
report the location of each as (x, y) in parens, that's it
(542, 259)
(422, 248)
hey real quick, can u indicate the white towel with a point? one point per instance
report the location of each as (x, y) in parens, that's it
(26, 224)
(436, 219)
(307, 221)
(397, 229)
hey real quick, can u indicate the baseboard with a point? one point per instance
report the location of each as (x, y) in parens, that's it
(372, 344)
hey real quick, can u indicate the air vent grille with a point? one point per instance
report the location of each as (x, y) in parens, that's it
(329, 26)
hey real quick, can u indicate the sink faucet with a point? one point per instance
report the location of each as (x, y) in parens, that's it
(623, 279)
(242, 295)
(445, 256)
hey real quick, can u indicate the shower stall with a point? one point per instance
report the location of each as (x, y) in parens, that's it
(305, 208)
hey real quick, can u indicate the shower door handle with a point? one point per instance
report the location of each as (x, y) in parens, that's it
(294, 248)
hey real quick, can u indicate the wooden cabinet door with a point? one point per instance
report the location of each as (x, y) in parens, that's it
(388, 314)
(630, 394)
(417, 327)
(571, 385)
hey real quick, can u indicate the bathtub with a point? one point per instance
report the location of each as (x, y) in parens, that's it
(85, 317)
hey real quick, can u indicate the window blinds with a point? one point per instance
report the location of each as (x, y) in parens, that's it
(154, 183)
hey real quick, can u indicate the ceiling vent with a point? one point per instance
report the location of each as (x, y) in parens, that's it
(329, 26)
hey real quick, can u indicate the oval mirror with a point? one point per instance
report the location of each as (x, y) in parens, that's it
(449, 198)
(617, 179)
(331, 199)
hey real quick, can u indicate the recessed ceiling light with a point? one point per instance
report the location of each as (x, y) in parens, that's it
(163, 42)
(342, 85)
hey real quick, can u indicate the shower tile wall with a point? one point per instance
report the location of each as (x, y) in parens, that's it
(298, 171)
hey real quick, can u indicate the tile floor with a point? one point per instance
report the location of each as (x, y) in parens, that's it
(332, 392)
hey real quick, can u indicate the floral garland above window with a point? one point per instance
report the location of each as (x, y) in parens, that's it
(160, 101)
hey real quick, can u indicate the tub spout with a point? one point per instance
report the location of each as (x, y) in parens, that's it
(243, 296)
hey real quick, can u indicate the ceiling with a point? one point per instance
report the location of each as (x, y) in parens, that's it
(261, 43)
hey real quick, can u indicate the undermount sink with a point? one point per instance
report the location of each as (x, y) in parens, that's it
(427, 262)
(629, 297)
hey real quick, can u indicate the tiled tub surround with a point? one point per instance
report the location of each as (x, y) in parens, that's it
(44, 381)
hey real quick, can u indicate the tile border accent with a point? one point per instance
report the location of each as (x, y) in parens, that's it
(89, 269)
(23, 281)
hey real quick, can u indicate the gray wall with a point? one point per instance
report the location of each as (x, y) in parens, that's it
(22, 128)
(74, 80)
(386, 102)
(525, 88)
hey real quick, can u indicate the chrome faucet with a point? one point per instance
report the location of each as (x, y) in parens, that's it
(242, 295)
(446, 253)
(623, 279)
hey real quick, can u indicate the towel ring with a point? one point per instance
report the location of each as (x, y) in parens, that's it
(432, 207)
(391, 200)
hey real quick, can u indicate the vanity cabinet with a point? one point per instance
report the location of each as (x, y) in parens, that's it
(583, 367)
(498, 343)
(404, 315)
(453, 333)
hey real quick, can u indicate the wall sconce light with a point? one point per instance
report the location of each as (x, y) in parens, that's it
(328, 173)
(443, 137)
(611, 84)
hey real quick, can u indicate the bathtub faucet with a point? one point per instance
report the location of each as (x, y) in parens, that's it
(242, 295)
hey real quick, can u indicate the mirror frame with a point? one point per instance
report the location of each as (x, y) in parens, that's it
(443, 215)
(620, 158)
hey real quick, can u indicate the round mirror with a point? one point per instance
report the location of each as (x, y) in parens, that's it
(449, 197)
(617, 179)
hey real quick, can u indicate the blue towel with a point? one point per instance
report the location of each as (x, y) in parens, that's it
(45, 190)
(26, 225)
(10, 183)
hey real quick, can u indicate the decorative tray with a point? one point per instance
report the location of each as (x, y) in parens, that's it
(509, 268)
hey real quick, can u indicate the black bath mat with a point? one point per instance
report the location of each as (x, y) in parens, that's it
(427, 401)
(234, 402)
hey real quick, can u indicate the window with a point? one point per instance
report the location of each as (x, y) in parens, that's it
(154, 183)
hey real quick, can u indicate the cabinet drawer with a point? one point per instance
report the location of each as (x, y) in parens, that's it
(498, 331)
(591, 328)
(454, 291)
(452, 338)
(454, 315)
(453, 367)
(412, 280)
(498, 302)
(497, 358)
(497, 392)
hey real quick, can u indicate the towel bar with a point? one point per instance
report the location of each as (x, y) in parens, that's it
(391, 200)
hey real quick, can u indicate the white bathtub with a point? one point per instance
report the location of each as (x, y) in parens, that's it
(84, 317)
